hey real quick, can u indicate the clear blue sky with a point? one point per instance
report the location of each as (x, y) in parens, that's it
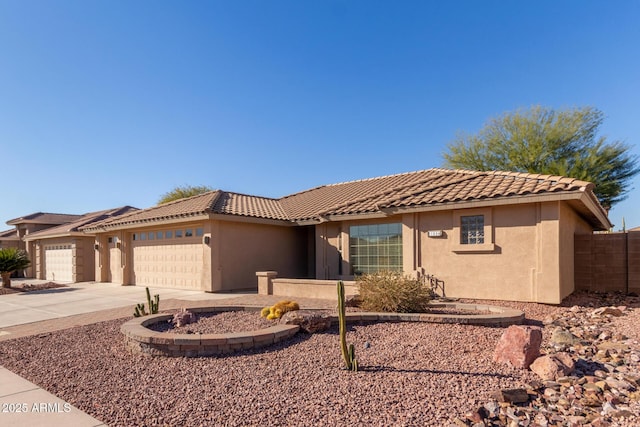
(107, 103)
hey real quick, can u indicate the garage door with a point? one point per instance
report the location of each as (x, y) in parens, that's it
(169, 265)
(58, 261)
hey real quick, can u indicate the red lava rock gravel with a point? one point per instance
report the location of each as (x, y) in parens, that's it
(218, 323)
(412, 374)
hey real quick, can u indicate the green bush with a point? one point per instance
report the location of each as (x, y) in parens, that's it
(390, 291)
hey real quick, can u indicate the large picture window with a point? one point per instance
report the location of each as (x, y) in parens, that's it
(472, 230)
(375, 247)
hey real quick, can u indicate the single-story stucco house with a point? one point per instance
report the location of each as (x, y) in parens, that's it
(64, 253)
(487, 235)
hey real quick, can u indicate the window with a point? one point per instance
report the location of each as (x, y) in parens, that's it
(178, 234)
(135, 236)
(188, 232)
(375, 247)
(168, 235)
(472, 230)
(199, 231)
(152, 235)
(143, 236)
(158, 235)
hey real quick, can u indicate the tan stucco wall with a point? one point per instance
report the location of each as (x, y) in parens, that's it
(242, 249)
(570, 225)
(524, 264)
(527, 254)
(229, 261)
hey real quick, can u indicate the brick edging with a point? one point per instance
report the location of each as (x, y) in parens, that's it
(499, 316)
(143, 340)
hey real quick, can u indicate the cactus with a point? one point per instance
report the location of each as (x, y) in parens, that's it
(348, 352)
(154, 305)
(139, 311)
(278, 309)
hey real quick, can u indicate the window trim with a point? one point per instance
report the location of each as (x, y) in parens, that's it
(487, 246)
(351, 254)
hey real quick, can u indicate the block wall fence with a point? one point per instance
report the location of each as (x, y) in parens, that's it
(608, 262)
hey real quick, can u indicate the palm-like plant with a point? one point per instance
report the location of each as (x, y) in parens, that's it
(12, 259)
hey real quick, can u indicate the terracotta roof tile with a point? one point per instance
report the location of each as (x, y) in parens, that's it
(252, 206)
(83, 222)
(421, 188)
(212, 202)
(44, 218)
(9, 234)
(433, 186)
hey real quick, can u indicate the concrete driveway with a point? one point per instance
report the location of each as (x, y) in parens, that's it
(78, 298)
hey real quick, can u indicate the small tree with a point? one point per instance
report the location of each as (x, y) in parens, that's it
(183, 192)
(12, 259)
(547, 141)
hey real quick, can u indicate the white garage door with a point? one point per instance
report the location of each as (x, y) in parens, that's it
(58, 261)
(169, 265)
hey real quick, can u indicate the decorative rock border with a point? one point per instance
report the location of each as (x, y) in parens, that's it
(143, 340)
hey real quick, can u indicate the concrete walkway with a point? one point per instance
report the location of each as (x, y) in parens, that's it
(31, 313)
(78, 298)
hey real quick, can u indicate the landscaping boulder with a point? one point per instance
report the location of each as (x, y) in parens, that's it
(184, 317)
(554, 366)
(519, 346)
(352, 301)
(512, 395)
(610, 311)
(309, 321)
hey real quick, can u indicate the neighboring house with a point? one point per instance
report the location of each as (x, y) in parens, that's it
(634, 229)
(9, 239)
(64, 253)
(491, 235)
(32, 223)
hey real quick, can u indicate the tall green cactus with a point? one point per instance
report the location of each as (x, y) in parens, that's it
(348, 352)
(154, 305)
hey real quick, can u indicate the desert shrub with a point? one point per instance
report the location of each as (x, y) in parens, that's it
(390, 291)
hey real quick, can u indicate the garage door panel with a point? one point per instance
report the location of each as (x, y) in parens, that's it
(177, 266)
(58, 262)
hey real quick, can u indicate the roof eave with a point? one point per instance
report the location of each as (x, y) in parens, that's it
(32, 237)
(601, 221)
(146, 223)
(252, 219)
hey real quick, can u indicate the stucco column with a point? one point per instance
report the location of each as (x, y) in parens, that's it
(265, 282)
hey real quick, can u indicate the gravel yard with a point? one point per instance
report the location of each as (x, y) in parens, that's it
(414, 374)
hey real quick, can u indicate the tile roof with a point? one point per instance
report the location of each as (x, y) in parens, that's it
(422, 188)
(83, 221)
(430, 187)
(212, 202)
(44, 218)
(9, 234)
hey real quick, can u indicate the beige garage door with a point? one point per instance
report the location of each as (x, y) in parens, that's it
(58, 261)
(169, 265)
